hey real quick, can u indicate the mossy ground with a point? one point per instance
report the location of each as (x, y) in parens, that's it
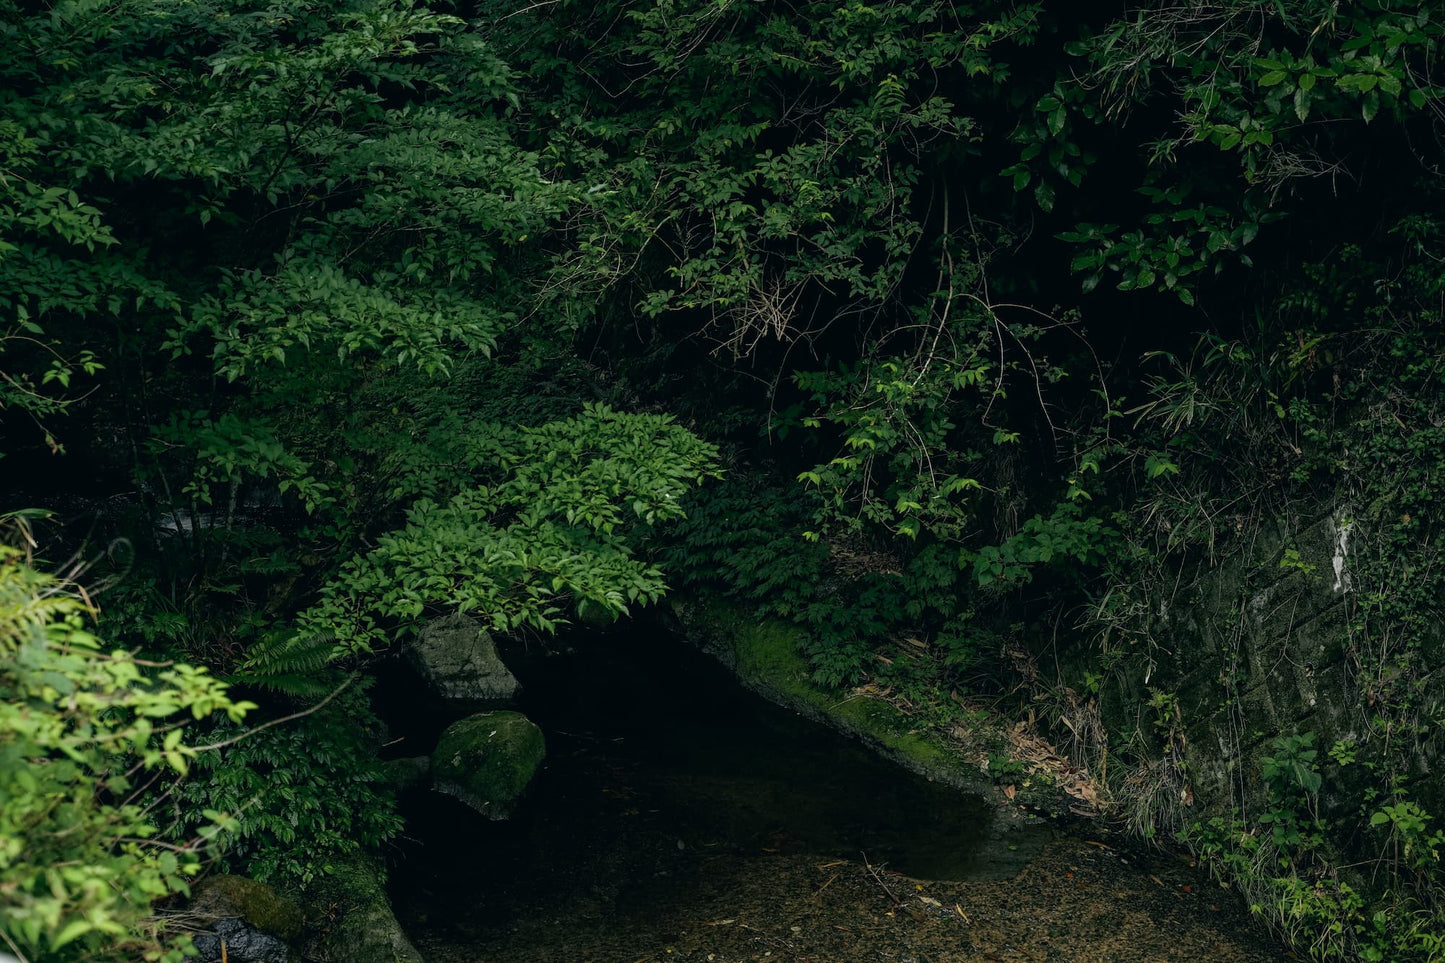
(766, 656)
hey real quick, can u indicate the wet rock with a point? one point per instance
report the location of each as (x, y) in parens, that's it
(487, 760)
(458, 660)
(235, 941)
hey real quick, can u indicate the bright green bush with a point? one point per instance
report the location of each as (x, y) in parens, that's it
(82, 730)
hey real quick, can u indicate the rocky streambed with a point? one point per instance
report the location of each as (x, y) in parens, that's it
(679, 817)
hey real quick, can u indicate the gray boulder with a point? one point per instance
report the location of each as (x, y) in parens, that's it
(457, 658)
(487, 760)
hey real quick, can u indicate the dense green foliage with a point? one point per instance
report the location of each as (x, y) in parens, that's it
(1005, 320)
(303, 794)
(257, 263)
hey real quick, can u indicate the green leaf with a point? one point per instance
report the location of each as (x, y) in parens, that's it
(1156, 465)
(71, 932)
(1273, 78)
(1044, 196)
(1370, 106)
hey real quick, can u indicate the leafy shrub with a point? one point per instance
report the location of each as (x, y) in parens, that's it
(546, 522)
(81, 861)
(301, 794)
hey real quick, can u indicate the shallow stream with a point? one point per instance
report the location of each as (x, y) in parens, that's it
(680, 817)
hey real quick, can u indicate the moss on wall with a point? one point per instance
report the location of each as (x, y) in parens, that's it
(765, 655)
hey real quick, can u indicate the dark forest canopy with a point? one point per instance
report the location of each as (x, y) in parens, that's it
(319, 319)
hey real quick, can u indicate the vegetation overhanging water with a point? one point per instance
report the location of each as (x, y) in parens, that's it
(1069, 373)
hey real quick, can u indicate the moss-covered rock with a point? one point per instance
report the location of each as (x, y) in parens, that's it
(220, 897)
(351, 919)
(401, 775)
(487, 760)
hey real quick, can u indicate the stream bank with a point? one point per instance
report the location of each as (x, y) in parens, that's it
(763, 654)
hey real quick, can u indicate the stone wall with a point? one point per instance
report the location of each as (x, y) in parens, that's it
(1254, 649)
(1256, 646)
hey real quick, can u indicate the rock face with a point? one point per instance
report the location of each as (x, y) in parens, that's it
(487, 760)
(456, 657)
(1260, 641)
(1262, 647)
(255, 924)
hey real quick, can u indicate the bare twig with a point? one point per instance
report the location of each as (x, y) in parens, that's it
(878, 878)
(276, 722)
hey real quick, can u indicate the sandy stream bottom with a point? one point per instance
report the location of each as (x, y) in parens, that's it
(1075, 901)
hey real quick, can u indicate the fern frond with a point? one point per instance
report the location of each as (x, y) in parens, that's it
(289, 663)
(305, 687)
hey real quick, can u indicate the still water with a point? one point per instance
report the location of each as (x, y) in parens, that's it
(680, 817)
